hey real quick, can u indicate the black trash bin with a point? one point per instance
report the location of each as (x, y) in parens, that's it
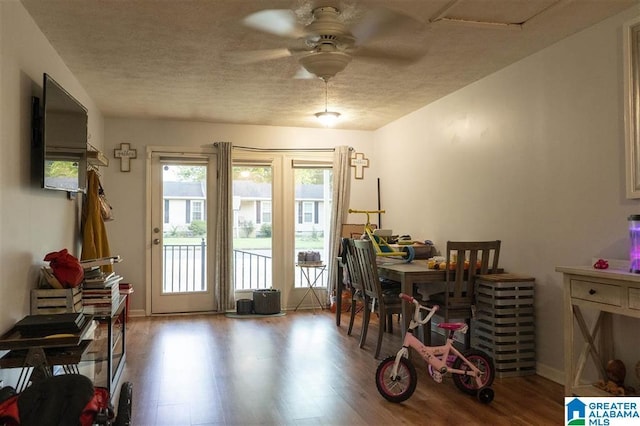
(244, 306)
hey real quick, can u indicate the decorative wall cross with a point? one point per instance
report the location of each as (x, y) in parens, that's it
(359, 162)
(125, 154)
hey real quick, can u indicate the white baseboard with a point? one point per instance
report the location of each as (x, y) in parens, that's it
(550, 373)
(137, 313)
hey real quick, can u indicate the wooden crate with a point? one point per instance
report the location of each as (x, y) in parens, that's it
(505, 291)
(517, 323)
(502, 335)
(56, 301)
(513, 352)
(504, 325)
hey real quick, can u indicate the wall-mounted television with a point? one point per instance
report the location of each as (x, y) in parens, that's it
(59, 140)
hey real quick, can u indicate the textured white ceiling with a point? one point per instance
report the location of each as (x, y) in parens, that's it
(170, 59)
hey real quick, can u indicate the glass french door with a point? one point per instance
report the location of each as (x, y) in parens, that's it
(180, 256)
(252, 227)
(281, 207)
(312, 218)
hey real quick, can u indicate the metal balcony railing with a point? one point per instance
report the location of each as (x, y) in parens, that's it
(251, 271)
(185, 269)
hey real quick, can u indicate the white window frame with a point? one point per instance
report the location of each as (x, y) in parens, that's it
(266, 212)
(308, 208)
(200, 204)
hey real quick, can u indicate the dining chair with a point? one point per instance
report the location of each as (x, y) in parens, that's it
(355, 281)
(384, 304)
(464, 261)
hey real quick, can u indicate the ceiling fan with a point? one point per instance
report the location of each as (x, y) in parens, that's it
(327, 38)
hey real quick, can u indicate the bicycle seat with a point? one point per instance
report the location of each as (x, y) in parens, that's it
(451, 325)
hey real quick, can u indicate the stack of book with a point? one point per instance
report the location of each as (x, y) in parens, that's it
(100, 291)
(90, 263)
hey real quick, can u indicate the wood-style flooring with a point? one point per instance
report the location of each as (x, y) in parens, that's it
(299, 369)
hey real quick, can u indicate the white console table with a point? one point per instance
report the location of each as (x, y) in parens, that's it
(607, 292)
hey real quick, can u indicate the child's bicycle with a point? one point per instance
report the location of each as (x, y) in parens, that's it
(472, 372)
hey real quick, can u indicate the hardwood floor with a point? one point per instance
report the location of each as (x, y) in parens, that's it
(299, 369)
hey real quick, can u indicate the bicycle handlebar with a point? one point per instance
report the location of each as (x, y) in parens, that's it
(407, 298)
(365, 211)
(419, 307)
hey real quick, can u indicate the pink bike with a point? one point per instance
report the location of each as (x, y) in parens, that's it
(472, 372)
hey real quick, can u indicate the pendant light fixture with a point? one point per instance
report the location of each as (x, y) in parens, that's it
(327, 118)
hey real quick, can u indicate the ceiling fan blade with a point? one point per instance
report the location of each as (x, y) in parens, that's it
(377, 21)
(281, 22)
(399, 56)
(251, 56)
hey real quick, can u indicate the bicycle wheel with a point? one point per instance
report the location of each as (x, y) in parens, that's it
(124, 405)
(410, 253)
(401, 387)
(483, 362)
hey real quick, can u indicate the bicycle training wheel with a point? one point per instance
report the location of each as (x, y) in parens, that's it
(483, 362)
(401, 387)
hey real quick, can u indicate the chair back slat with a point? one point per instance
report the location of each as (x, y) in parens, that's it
(366, 259)
(375, 300)
(353, 270)
(482, 257)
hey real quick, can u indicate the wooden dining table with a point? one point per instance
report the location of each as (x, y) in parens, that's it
(407, 274)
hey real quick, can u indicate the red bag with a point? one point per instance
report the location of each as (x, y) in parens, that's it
(59, 400)
(9, 412)
(66, 268)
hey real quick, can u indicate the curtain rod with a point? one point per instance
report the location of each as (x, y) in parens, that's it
(249, 148)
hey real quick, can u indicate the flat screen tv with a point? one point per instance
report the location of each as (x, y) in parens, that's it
(59, 139)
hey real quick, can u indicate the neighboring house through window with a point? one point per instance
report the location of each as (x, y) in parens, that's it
(307, 212)
(252, 205)
(196, 210)
(263, 212)
(184, 202)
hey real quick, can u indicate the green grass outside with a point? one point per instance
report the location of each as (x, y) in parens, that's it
(250, 243)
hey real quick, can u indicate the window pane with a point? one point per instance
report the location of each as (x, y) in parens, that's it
(266, 211)
(313, 188)
(196, 210)
(185, 232)
(252, 195)
(307, 208)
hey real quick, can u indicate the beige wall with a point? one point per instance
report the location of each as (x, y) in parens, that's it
(127, 191)
(532, 155)
(33, 222)
(540, 144)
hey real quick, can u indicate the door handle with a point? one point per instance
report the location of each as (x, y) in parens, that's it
(156, 241)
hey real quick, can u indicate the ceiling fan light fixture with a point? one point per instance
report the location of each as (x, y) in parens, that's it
(328, 118)
(325, 65)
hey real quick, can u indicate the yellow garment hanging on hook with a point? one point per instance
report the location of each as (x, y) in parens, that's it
(95, 243)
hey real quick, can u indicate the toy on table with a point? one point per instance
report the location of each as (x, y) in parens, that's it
(601, 264)
(380, 245)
